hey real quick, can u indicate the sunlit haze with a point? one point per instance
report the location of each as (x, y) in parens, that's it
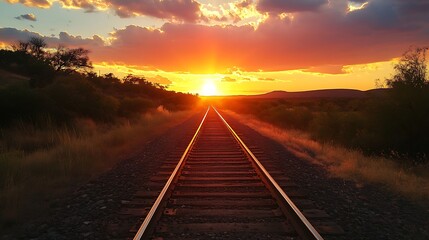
(209, 89)
(243, 46)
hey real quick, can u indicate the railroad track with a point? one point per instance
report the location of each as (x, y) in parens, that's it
(219, 190)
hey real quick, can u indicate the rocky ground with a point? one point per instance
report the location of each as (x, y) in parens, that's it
(363, 211)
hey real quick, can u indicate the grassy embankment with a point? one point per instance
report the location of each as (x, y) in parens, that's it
(39, 165)
(401, 177)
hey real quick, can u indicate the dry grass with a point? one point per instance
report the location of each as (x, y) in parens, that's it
(38, 165)
(411, 181)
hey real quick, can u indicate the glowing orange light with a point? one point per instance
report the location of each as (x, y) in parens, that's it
(209, 88)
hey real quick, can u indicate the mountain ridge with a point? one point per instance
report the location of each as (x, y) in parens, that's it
(321, 93)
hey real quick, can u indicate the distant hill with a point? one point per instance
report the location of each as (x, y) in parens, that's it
(325, 93)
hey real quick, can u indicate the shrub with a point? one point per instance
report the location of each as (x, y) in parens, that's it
(133, 107)
(18, 102)
(80, 99)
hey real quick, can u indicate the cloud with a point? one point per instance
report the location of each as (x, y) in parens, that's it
(177, 10)
(181, 10)
(231, 12)
(244, 4)
(184, 10)
(228, 79)
(377, 32)
(160, 79)
(12, 36)
(327, 69)
(266, 79)
(241, 78)
(77, 41)
(171, 10)
(30, 17)
(338, 38)
(88, 5)
(33, 3)
(289, 6)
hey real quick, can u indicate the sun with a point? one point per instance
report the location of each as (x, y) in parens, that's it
(208, 89)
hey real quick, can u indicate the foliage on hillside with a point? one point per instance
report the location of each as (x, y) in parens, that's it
(61, 88)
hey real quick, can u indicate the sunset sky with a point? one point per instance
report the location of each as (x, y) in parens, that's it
(236, 47)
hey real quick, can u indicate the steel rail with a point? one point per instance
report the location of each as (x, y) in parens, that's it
(297, 219)
(143, 231)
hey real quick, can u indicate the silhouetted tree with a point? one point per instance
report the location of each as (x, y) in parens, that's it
(70, 60)
(401, 120)
(160, 86)
(131, 79)
(22, 47)
(36, 47)
(411, 70)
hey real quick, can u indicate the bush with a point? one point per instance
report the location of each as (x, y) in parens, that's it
(18, 102)
(39, 72)
(79, 98)
(133, 107)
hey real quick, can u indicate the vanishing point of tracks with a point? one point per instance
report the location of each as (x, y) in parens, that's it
(219, 190)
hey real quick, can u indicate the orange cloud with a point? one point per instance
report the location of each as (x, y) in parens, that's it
(160, 79)
(266, 79)
(318, 41)
(327, 69)
(277, 44)
(228, 79)
(33, 3)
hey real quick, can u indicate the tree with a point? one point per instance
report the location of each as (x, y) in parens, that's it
(411, 70)
(36, 46)
(131, 79)
(401, 120)
(70, 60)
(21, 47)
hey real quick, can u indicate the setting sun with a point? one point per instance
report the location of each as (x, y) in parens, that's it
(209, 89)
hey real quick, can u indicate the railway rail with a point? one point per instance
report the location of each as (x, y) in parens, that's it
(220, 190)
